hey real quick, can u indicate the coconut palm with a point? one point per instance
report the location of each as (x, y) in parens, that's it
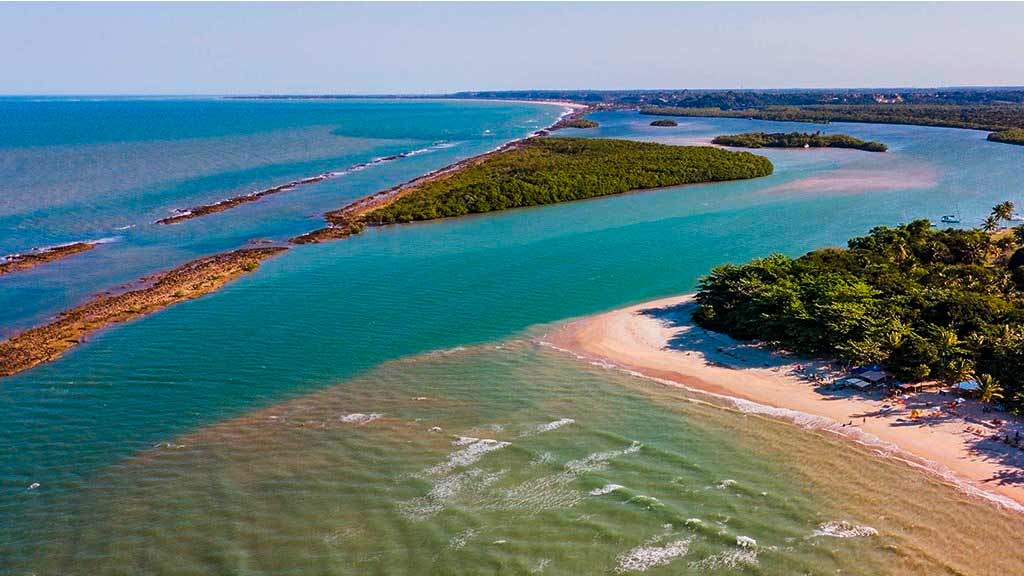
(1003, 210)
(959, 369)
(989, 389)
(990, 224)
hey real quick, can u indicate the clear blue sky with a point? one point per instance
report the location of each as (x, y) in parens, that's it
(415, 48)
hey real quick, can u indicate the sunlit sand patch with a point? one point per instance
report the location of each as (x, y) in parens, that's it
(649, 555)
(856, 180)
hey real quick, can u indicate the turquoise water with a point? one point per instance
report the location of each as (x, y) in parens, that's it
(349, 318)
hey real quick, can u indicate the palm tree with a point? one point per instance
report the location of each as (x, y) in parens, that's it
(959, 369)
(989, 388)
(990, 224)
(1003, 210)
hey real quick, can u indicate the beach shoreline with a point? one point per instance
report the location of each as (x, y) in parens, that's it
(658, 340)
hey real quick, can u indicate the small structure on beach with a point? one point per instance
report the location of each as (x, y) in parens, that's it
(875, 376)
(853, 382)
(967, 387)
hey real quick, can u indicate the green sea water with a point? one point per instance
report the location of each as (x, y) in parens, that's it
(223, 436)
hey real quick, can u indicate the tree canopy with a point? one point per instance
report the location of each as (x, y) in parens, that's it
(552, 170)
(924, 303)
(798, 140)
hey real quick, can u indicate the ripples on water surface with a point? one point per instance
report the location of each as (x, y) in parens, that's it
(156, 447)
(513, 458)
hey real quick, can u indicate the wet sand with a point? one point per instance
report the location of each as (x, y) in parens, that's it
(658, 339)
(21, 262)
(196, 278)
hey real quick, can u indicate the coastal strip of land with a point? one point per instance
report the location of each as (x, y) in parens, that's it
(201, 276)
(192, 280)
(22, 262)
(539, 171)
(659, 340)
(573, 114)
(796, 140)
(228, 203)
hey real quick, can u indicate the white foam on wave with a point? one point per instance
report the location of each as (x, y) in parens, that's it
(818, 423)
(469, 455)
(461, 539)
(447, 489)
(360, 418)
(746, 542)
(843, 529)
(548, 427)
(730, 559)
(554, 491)
(647, 556)
(606, 489)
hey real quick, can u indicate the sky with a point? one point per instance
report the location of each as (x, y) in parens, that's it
(265, 48)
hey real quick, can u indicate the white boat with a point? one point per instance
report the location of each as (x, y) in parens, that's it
(952, 218)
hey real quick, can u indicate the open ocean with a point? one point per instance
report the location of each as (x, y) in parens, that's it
(283, 425)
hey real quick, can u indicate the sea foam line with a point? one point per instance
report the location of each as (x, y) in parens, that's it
(807, 421)
(179, 214)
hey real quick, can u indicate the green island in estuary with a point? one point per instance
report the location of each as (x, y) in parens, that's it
(797, 140)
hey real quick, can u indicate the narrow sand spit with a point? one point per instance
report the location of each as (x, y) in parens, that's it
(658, 340)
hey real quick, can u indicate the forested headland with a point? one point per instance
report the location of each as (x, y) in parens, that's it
(925, 303)
(797, 140)
(1014, 136)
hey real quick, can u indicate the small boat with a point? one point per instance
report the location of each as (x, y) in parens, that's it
(952, 218)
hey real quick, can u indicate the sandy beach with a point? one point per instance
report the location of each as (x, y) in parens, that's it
(659, 340)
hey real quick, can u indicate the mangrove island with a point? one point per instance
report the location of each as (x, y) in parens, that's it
(797, 140)
(553, 170)
(579, 123)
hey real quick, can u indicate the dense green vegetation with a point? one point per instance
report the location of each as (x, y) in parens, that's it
(924, 303)
(994, 117)
(580, 123)
(666, 122)
(797, 140)
(552, 170)
(1014, 136)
